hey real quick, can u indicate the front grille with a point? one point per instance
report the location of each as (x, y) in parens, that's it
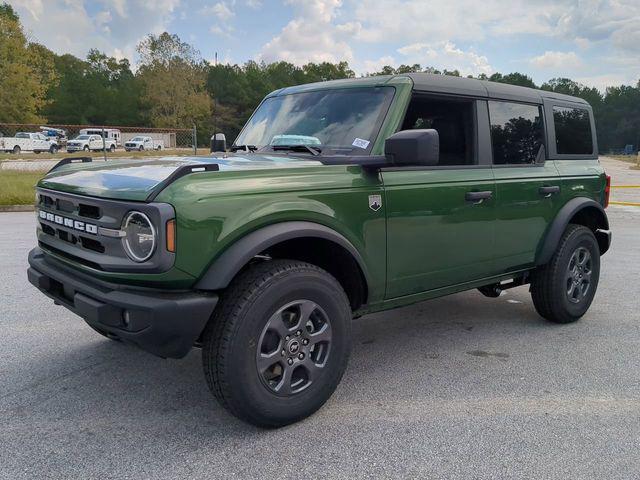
(71, 225)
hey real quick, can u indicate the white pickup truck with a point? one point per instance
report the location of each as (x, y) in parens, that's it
(28, 142)
(90, 142)
(143, 142)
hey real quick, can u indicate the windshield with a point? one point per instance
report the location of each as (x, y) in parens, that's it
(82, 137)
(22, 135)
(344, 120)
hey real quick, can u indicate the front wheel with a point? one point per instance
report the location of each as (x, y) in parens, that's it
(112, 148)
(53, 149)
(278, 343)
(563, 289)
(86, 148)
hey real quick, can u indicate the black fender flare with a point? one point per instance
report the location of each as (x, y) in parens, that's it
(226, 266)
(559, 225)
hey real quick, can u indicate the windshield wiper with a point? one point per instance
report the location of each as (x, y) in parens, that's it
(298, 148)
(246, 148)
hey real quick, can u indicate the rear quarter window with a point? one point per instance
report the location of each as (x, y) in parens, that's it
(573, 131)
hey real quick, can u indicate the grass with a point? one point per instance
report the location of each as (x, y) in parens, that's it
(627, 158)
(17, 187)
(120, 153)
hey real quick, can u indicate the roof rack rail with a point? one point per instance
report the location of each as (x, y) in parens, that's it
(181, 172)
(68, 160)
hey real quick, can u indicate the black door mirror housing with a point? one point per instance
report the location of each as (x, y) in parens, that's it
(218, 142)
(413, 147)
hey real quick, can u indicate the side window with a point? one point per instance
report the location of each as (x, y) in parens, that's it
(454, 121)
(573, 131)
(516, 133)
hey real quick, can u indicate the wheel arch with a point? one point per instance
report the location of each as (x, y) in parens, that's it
(582, 211)
(295, 240)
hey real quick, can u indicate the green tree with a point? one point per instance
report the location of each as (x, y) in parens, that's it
(173, 78)
(26, 72)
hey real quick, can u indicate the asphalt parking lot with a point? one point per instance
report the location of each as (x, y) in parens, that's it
(460, 387)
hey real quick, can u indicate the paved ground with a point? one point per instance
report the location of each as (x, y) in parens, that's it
(460, 387)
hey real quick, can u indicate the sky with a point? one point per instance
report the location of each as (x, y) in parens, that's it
(596, 42)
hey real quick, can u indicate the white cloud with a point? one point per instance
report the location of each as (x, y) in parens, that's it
(255, 4)
(551, 60)
(222, 30)
(222, 10)
(370, 66)
(311, 36)
(443, 55)
(68, 27)
(601, 82)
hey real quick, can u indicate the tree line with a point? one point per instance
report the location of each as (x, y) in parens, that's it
(174, 87)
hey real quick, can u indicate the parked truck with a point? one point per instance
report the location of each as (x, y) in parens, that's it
(143, 142)
(92, 143)
(28, 142)
(109, 134)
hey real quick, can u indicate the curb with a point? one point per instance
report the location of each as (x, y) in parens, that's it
(16, 208)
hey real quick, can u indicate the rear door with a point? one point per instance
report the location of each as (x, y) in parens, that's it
(440, 219)
(528, 185)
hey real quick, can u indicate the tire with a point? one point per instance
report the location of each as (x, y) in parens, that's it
(563, 289)
(140, 148)
(16, 150)
(240, 330)
(112, 148)
(86, 148)
(159, 147)
(53, 149)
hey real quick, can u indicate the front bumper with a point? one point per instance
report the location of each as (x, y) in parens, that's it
(161, 322)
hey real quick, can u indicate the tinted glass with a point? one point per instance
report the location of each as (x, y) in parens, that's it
(573, 131)
(346, 120)
(452, 119)
(516, 132)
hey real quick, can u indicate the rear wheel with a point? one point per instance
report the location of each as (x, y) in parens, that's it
(140, 148)
(278, 343)
(53, 149)
(86, 148)
(16, 149)
(563, 289)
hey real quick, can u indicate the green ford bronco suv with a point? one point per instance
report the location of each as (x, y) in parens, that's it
(337, 199)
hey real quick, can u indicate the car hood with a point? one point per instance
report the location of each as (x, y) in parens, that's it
(136, 179)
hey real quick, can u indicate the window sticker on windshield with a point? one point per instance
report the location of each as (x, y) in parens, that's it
(360, 143)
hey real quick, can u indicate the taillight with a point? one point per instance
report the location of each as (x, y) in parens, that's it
(607, 191)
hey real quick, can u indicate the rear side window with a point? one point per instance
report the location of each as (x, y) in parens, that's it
(573, 131)
(516, 133)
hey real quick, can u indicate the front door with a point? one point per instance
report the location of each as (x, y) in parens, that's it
(441, 219)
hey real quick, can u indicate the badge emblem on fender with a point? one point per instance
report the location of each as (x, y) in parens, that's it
(375, 202)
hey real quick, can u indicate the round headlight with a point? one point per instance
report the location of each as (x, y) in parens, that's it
(140, 236)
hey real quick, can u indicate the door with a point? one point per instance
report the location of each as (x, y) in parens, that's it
(527, 186)
(440, 219)
(95, 142)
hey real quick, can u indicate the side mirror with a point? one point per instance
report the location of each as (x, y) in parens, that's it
(218, 143)
(413, 147)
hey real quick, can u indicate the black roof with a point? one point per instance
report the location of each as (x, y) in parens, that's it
(430, 82)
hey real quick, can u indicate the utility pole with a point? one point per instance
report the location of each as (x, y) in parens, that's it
(104, 146)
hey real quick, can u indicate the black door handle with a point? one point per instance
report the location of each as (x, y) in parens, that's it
(547, 191)
(477, 197)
